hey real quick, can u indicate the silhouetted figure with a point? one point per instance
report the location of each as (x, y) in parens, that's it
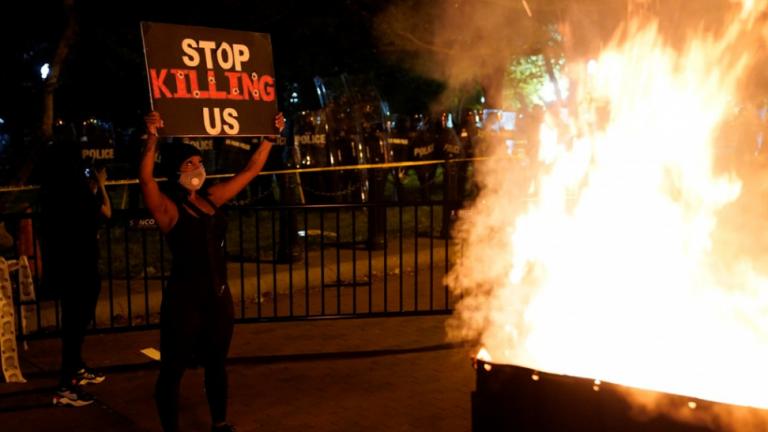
(73, 204)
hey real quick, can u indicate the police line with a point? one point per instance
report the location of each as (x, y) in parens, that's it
(286, 171)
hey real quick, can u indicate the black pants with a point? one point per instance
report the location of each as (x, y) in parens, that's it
(193, 333)
(167, 393)
(79, 296)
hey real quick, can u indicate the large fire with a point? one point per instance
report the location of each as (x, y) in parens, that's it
(624, 267)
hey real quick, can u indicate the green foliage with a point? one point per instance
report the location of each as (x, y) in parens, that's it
(526, 75)
(523, 80)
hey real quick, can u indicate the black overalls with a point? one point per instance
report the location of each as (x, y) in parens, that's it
(196, 316)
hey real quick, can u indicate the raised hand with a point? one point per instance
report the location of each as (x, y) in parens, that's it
(153, 122)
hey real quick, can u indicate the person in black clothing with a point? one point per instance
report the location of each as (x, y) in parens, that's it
(196, 316)
(73, 204)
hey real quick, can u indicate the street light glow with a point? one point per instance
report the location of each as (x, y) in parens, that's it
(44, 70)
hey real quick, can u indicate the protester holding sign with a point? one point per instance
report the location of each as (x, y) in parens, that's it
(197, 314)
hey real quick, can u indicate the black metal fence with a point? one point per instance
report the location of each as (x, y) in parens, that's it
(285, 263)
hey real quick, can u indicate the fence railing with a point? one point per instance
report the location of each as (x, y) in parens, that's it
(284, 263)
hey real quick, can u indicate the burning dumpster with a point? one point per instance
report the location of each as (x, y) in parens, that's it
(513, 398)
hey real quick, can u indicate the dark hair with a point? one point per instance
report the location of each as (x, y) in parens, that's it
(62, 164)
(172, 155)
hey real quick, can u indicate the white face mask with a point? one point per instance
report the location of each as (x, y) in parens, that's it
(193, 180)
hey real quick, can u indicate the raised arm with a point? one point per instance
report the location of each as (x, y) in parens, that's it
(222, 192)
(106, 205)
(160, 206)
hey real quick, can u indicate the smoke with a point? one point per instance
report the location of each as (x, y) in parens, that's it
(471, 43)
(660, 251)
(462, 43)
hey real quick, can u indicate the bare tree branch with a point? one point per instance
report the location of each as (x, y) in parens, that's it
(421, 43)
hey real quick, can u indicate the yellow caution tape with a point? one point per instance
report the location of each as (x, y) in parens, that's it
(286, 171)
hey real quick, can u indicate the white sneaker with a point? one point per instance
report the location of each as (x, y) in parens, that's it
(88, 376)
(72, 396)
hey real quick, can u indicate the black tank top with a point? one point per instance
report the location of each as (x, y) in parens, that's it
(197, 246)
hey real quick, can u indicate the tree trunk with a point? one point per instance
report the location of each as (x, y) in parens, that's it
(49, 89)
(62, 52)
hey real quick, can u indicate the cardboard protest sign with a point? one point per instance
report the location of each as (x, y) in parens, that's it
(209, 82)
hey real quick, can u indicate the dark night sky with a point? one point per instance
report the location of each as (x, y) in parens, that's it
(104, 75)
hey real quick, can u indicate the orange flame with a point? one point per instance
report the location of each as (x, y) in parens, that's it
(483, 355)
(614, 271)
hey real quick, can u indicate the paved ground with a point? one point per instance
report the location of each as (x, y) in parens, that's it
(383, 374)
